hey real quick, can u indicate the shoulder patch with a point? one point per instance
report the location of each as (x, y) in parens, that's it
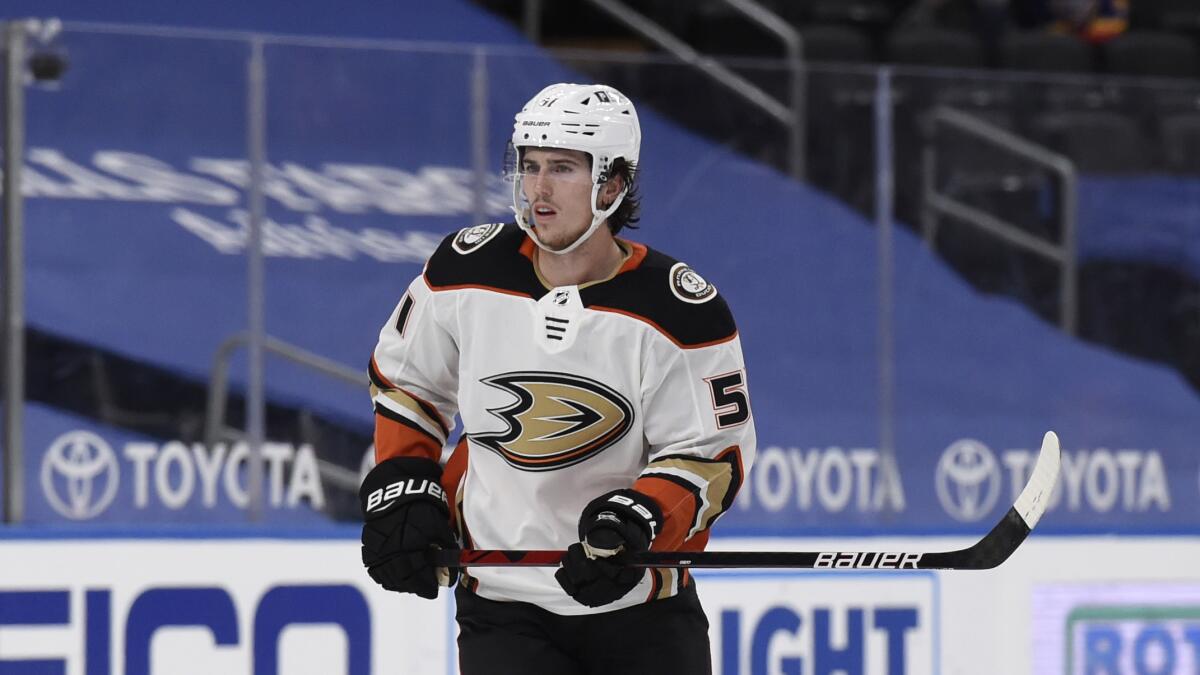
(471, 239)
(497, 262)
(668, 295)
(689, 286)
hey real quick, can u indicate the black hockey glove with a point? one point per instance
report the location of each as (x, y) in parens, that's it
(405, 514)
(611, 526)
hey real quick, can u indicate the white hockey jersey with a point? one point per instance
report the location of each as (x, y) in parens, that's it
(564, 393)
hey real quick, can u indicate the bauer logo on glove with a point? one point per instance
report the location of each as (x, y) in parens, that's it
(384, 497)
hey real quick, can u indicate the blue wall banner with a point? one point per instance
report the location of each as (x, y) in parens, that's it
(137, 220)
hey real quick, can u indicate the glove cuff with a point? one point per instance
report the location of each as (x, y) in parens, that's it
(401, 480)
(630, 506)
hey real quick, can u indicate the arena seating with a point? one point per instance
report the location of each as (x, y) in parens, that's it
(134, 277)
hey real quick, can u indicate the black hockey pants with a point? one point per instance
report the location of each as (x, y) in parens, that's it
(663, 637)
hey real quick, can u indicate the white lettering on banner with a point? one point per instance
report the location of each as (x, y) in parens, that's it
(35, 184)
(834, 491)
(85, 183)
(174, 496)
(225, 240)
(398, 191)
(140, 454)
(235, 489)
(345, 188)
(831, 480)
(274, 454)
(161, 182)
(305, 479)
(168, 475)
(341, 196)
(1100, 480)
(237, 172)
(208, 463)
(316, 238)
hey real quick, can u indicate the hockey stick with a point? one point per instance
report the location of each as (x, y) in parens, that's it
(986, 553)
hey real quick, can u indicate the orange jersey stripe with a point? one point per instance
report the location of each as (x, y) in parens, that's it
(453, 475)
(636, 256)
(696, 543)
(393, 439)
(678, 507)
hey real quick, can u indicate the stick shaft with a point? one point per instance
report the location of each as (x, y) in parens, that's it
(993, 549)
(985, 554)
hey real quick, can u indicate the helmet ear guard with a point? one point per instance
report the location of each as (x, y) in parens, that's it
(595, 119)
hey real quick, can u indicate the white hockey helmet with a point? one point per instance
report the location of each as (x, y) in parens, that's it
(591, 118)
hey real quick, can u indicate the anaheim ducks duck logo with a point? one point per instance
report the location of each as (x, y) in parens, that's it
(557, 420)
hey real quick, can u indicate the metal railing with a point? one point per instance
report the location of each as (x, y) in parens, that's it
(215, 430)
(790, 115)
(14, 271)
(793, 45)
(936, 204)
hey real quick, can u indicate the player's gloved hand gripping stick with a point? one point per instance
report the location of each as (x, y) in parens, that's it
(406, 516)
(986, 553)
(595, 571)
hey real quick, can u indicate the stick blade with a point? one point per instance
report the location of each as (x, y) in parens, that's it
(1032, 502)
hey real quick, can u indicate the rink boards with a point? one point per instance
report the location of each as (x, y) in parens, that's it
(188, 605)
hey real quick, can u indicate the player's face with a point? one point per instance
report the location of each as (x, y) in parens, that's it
(558, 187)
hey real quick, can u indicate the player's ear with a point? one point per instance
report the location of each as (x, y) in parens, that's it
(612, 187)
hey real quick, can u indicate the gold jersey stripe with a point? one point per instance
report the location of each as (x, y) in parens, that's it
(410, 405)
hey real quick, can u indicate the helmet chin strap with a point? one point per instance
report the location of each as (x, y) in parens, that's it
(598, 217)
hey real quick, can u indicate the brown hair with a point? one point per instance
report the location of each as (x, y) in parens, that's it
(627, 213)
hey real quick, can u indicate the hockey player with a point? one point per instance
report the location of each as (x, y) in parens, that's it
(603, 397)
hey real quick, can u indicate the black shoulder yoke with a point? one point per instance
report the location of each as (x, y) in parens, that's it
(484, 256)
(669, 295)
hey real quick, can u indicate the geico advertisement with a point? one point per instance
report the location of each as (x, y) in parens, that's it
(810, 623)
(1117, 628)
(202, 607)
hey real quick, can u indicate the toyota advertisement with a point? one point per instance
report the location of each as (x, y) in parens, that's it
(78, 471)
(963, 485)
